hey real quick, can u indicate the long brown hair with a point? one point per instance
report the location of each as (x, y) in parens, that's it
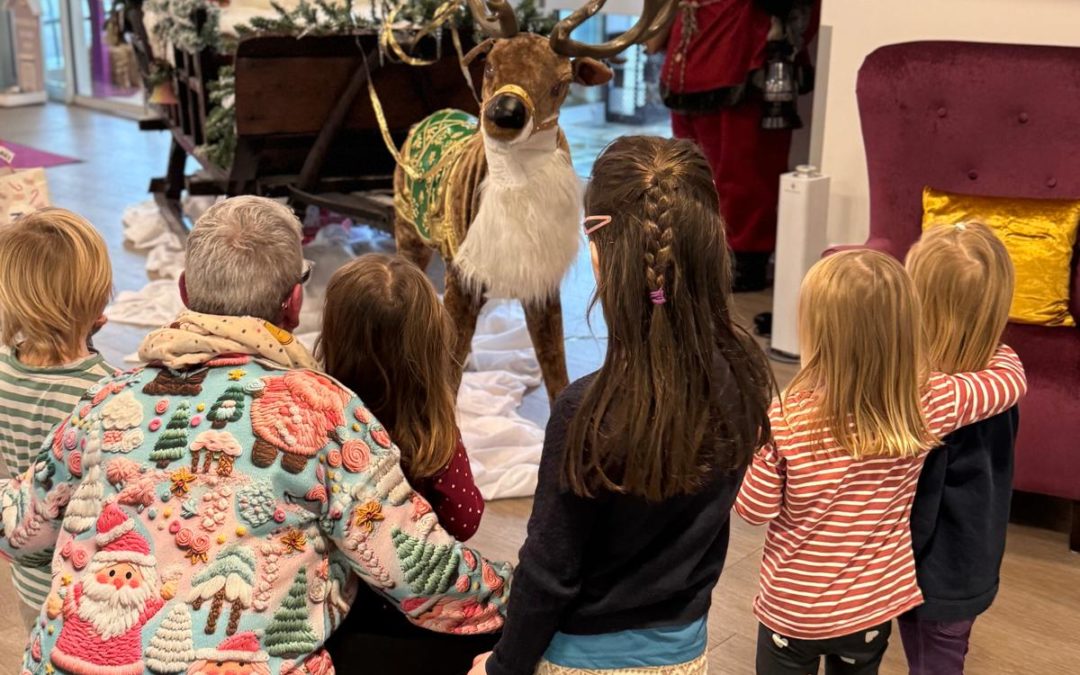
(386, 336)
(860, 335)
(660, 416)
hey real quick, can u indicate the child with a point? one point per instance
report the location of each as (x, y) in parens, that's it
(851, 433)
(55, 280)
(964, 277)
(643, 458)
(386, 336)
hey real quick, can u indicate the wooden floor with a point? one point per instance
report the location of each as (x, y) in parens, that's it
(1032, 629)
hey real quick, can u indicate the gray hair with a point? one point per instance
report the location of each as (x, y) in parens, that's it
(243, 258)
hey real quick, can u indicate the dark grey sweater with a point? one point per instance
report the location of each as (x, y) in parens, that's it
(613, 563)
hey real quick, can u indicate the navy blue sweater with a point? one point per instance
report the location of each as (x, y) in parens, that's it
(959, 519)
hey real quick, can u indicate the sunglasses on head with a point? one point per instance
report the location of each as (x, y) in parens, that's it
(305, 276)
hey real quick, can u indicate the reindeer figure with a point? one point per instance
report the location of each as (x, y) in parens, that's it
(499, 199)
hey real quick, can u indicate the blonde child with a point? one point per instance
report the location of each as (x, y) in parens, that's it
(964, 278)
(55, 280)
(386, 336)
(642, 459)
(835, 486)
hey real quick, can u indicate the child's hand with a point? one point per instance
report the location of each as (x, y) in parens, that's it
(479, 664)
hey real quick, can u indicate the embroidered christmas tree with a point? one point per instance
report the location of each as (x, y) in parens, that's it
(289, 634)
(229, 578)
(173, 441)
(85, 505)
(228, 408)
(171, 649)
(429, 568)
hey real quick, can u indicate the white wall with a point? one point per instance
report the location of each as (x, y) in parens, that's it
(854, 28)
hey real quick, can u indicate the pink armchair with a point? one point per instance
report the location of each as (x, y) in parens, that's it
(988, 119)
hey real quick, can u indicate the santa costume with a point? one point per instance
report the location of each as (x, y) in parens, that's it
(713, 52)
(103, 621)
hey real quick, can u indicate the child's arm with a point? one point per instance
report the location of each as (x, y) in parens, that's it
(965, 398)
(548, 576)
(32, 505)
(393, 541)
(762, 491)
(454, 496)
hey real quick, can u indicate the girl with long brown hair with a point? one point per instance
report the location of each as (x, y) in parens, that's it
(835, 486)
(386, 336)
(643, 458)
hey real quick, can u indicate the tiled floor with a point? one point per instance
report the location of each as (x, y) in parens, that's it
(1031, 630)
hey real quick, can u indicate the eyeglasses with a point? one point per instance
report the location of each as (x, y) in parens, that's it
(599, 221)
(305, 276)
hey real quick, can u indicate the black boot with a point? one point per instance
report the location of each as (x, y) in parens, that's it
(751, 272)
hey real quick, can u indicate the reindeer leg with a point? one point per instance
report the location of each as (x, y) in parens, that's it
(463, 308)
(544, 320)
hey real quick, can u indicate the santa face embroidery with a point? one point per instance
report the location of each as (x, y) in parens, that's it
(228, 668)
(104, 613)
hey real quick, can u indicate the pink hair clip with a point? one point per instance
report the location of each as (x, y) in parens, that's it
(657, 297)
(600, 222)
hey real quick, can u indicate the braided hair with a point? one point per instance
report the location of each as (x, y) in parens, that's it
(684, 391)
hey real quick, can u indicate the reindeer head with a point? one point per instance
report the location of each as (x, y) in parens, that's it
(527, 77)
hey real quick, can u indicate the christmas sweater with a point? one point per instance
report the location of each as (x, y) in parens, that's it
(224, 512)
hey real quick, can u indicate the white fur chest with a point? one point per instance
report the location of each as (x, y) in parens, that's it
(527, 231)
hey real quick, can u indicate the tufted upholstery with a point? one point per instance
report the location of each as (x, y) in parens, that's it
(987, 119)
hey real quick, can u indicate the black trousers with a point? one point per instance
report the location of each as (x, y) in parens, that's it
(856, 654)
(376, 638)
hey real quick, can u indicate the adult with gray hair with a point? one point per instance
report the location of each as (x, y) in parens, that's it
(255, 548)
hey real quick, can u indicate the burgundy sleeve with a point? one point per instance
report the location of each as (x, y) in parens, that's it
(454, 496)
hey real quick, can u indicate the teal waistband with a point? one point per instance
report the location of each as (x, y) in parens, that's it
(644, 648)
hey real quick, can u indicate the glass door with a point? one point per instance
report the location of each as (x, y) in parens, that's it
(56, 47)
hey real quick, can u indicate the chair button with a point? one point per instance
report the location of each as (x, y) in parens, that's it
(942, 112)
(1052, 183)
(973, 174)
(1024, 118)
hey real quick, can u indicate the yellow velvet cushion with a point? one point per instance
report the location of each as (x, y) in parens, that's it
(1039, 235)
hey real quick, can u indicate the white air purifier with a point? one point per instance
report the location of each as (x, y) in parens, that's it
(801, 238)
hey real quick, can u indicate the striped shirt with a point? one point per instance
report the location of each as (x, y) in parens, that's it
(838, 556)
(33, 400)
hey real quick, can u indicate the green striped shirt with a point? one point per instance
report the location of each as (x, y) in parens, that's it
(33, 400)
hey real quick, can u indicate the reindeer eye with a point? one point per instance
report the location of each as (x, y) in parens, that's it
(489, 70)
(556, 90)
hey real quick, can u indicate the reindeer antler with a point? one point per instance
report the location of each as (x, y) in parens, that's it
(656, 15)
(502, 24)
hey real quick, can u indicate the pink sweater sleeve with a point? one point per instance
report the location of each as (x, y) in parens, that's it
(454, 496)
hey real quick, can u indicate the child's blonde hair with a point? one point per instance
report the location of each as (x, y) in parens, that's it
(964, 278)
(861, 342)
(55, 280)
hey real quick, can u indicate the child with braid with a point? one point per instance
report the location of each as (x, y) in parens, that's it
(643, 458)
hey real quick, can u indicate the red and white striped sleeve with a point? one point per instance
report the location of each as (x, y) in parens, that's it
(762, 491)
(982, 394)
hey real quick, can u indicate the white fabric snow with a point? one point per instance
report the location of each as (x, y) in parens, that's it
(504, 447)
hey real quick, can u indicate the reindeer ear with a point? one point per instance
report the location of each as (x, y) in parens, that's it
(590, 72)
(479, 50)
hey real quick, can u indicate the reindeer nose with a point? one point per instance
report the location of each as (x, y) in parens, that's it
(507, 112)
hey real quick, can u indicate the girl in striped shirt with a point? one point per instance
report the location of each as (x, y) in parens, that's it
(55, 280)
(836, 485)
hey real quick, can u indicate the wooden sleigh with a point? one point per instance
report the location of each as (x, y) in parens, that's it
(305, 125)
